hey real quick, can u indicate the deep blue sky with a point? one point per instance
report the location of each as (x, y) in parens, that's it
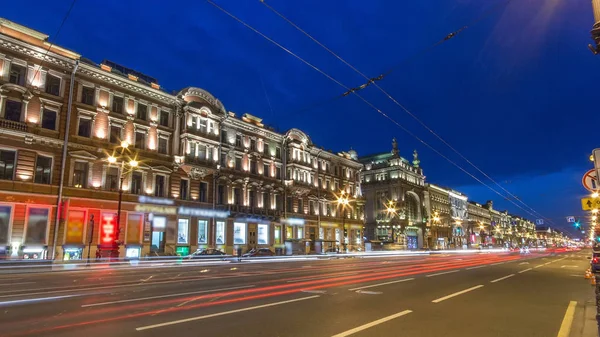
(514, 92)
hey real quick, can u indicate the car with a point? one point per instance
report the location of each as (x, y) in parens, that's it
(259, 252)
(204, 253)
(595, 261)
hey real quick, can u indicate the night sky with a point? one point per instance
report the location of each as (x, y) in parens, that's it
(514, 92)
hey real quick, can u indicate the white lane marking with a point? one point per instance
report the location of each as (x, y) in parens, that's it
(523, 263)
(34, 300)
(381, 284)
(497, 263)
(547, 263)
(191, 319)
(372, 324)
(321, 277)
(456, 294)
(314, 291)
(538, 266)
(525, 270)
(162, 296)
(477, 267)
(502, 278)
(444, 273)
(369, 292)
(565, 326)
(15, 284)
(569, 266)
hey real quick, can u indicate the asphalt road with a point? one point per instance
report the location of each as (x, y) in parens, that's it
(419, 296)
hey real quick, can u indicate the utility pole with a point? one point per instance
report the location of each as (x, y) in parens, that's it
(91, 238)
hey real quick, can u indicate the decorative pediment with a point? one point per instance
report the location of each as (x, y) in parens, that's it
(7, 87)
(195, 172)
(81, 154)
(162, 169)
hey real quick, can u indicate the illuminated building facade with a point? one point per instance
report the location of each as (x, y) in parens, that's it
(192, 174)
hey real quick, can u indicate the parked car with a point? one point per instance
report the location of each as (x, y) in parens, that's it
(595, 261)
(259, 252)
(204, 253)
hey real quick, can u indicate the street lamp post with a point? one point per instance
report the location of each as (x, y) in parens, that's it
(344, 201)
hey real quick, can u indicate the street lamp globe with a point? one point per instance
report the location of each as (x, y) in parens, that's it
(112, 159)
(595, 195)
(133, 163)
(124, 144)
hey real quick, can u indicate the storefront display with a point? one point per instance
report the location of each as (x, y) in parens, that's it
(289, 232)
(321, 233)
(75, 227)
(220, 233)
(183, 229)
(239, 233)
(300, 232)
(134, 225)
(37, 225)
(277, 235)
(202, 232)
(5, 212)
(133, 252)
(263, 234)
(34, 253)
(72, 253)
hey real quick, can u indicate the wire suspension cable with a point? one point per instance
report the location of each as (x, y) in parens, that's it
(363, 99)
(371, 81)
(54, 40)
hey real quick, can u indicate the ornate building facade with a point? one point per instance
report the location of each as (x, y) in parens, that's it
(121, 166)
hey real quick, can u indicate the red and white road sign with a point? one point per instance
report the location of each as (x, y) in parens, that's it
(590, 180)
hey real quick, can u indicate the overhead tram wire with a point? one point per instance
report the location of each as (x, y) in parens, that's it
(373, 82)
(363, 99)
(54, 39)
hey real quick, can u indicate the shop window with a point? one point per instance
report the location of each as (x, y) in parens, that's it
(289, 232)
(239, 233)
(12, 110)
(85, 127)
(36, 226)
(277, 235)
(263, 234)
(75, 227)
(87, 95)
(183, 229)
(134, 227)
(203, 191)
(80, 174)
(117, 104)
(49, 119)
(220, 233)
(52, 85)
(142, 112)
(159, 186)
(17, 74)
(7, 164)
(43, 170)
(184, 189)
(300, 232)
(5, 212)
(202, 232)
(136, 183)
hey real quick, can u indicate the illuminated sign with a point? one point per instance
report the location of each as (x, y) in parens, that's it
(294, 221)
(156, 209)
(151, 200)
(107, 228)
(202, 212)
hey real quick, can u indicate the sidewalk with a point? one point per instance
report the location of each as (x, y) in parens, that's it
(584, 322)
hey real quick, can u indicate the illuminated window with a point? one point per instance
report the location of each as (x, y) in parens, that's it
(202, 232)
(263, 234)
(7, 164)
(36, 226)
(220, 233)
(52, 85)
(43, 170)
(17, 74)
(277, 234)
(239, 233)
(183, 229)
(80, 174)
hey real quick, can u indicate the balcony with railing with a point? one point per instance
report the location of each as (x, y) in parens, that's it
(13, 125)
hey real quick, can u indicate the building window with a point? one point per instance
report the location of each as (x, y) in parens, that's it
(266, 149)
(237, 196)
(164, 118)
(136, 183)
(49, 119)
(7, 164)
(278, 173)
(193, 149)
(266, 170)
(87, 95)
(17, 74)
(117, 104)
(142, 112)
(140, 140)
(111, 182)
(203, 191)
(43, 169)
(159, 186)
(252, 198)
(266, 198)
(162, 145)
(52, 85)
(278, 152)
(224, 136)
(115, 133)
(238, 140)
(183, 189)
(80, 174)
(252, 144)
(220, 194)
(288, 204)
(300, 206)
(202, 125)
(194, 122)
(238, 163)
(85, 127)
(253, 166)
(12, 110)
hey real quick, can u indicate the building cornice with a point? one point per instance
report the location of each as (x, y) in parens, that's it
(36, 52)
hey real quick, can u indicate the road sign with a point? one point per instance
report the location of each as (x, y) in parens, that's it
(590, 203)
(571, 218)
(590, 180)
